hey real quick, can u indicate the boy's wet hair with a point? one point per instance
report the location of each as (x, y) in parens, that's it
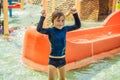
(57, 14)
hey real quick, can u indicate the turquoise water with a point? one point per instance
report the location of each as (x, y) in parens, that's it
(11, 67)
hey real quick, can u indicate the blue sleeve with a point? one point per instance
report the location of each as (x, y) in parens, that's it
(76, 25)
(40, 26)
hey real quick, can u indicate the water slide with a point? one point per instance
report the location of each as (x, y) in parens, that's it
(84, 46)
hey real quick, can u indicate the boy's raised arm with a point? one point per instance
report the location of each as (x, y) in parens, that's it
(40, 24)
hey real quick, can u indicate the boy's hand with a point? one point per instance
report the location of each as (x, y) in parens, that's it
(73, 10)
(43, 13)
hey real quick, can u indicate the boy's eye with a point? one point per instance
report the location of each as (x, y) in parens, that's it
(59, 20)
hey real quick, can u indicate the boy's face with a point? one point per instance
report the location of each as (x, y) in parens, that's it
(59, 22)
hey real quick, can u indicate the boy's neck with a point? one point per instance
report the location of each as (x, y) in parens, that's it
(58, 28)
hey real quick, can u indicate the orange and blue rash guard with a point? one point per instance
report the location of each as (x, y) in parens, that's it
(57, 37)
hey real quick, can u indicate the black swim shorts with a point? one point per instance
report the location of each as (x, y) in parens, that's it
(57, 62)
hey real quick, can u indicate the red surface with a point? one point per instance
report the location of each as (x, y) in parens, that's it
(17, 5)
(14, 6)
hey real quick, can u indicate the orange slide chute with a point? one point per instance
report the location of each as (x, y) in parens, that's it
(82, 46)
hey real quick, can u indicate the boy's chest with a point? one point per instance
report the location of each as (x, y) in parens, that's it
(58, 35)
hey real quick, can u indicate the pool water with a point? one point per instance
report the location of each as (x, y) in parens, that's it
(11, 67)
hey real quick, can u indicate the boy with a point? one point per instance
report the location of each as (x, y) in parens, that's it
(57, 38)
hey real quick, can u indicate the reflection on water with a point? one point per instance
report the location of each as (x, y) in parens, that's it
(11, 67)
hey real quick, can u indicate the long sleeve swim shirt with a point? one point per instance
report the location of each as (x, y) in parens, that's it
(57, 37)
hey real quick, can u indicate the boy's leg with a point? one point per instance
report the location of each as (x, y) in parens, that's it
(51, 72)
(62, 73)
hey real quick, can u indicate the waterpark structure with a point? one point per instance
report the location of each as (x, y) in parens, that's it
(5, 13)
(94, 10)
(84, 46)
